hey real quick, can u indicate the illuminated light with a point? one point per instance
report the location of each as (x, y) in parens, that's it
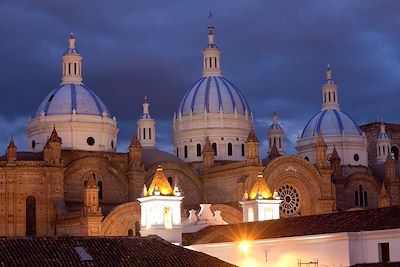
(244, 247)
(260, 189)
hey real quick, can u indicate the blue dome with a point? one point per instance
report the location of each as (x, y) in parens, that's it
(213, 93)
(331, 122)
(275, 127)
(67, 97)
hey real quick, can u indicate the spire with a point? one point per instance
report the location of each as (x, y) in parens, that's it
(260, 189)
(274, 153)
(329, 92)
(211, 54)
(54, 136)
(11, 144)
(160, 184)
(252, 137)
(274, 118)
(11, 151)
(384, 199)
(72, 64)
(71, 41)
(328, 73)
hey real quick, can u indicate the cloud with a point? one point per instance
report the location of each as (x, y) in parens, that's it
(275, 52)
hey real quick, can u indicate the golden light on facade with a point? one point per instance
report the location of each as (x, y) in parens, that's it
(160, 181)
(260, 186)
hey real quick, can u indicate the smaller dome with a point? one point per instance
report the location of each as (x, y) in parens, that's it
(275, 127)
(68, 97)
(331, 122)
(382, 136)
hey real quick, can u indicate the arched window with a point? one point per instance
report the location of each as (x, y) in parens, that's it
(280, 142)
(170, 180)
(395, 152)
(130, 232)
(177, 152)
(198, 150)
(215, 61)
(144, 133)
(334, 96)
(229, 149)
(69, 68)
(150, 133)
(100, 185)
(242, 150)
(214, 146)
(210, 62)
(30, 213)
(329, 96)
(185, 151)
(361, 197)
(75, 68)
(84, 184)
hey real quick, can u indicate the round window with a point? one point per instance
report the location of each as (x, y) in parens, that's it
(33, 144)
(90, 141)
(306, 158)
(290, 204)
(356, 157)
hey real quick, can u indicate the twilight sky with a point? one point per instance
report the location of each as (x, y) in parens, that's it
(276, 53)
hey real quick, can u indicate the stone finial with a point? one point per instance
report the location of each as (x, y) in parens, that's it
(135, 142)
(11, 151)
(384, 199)
(91, 182)
(252, 137)
(328, 72)
(54, 138)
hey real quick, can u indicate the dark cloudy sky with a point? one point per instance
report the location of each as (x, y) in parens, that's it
(276, 52)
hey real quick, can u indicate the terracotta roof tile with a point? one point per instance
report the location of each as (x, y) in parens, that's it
(111, 251)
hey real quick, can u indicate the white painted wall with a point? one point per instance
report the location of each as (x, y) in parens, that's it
(334, 250)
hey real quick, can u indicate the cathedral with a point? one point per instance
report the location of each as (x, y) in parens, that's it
(73, 182)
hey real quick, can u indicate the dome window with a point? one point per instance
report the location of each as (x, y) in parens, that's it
(112, 144)
(198, 150)
(33, 144)
(356, 157)
(185, 151)
(90, 141)
(242, 150)
(306, 158)
(230, 149)
(214, 146)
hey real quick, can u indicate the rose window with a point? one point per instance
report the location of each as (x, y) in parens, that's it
(290, 204)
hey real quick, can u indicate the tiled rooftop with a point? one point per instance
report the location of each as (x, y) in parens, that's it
(111, 251)
(350, 221)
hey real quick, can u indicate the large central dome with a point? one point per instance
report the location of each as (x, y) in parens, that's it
(212, 109)
(213, 94)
